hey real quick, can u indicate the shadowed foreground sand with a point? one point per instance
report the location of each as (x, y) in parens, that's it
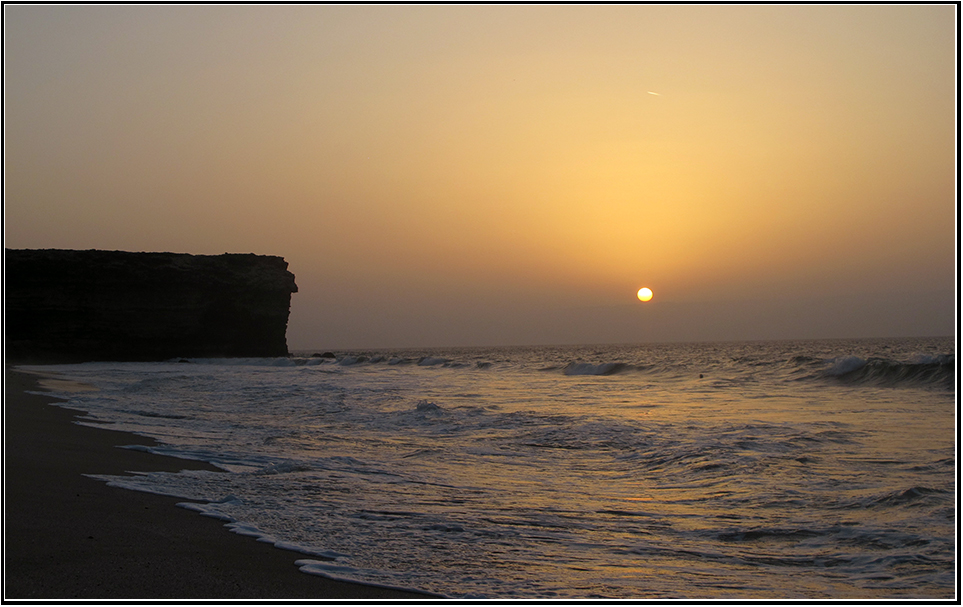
(67, 536)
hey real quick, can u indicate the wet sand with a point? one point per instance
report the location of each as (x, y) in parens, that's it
(67, 536)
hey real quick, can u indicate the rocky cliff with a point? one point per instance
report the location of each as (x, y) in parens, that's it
(72, 306)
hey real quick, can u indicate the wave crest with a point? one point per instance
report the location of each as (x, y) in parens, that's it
(578, 368)
(932, 370)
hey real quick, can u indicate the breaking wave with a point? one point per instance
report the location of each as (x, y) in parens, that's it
(923, 370)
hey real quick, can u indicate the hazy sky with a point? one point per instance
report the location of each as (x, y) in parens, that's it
(498, 175)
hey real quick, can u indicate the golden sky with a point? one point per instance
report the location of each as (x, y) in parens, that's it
(496, 175)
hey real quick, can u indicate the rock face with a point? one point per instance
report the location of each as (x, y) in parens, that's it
(74, 306)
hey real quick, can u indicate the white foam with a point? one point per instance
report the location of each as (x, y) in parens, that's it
(133, 485)
(430, 361)
(930, 359)
(289, 361)
(339, 571)
(845, 364)
(210, 510)
(352, 360)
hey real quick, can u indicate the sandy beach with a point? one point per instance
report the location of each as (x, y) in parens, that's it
(67, 536)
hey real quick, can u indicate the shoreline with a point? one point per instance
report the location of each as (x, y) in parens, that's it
(68, 536)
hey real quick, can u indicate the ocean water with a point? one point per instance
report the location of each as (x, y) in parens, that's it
(794, 469)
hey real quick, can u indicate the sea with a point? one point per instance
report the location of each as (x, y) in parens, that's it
(742, 470)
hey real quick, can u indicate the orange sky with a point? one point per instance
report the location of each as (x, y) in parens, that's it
(496, 175)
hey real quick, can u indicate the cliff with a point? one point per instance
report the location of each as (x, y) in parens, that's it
(73, 306)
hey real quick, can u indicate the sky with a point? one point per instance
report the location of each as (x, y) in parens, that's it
(508, 174)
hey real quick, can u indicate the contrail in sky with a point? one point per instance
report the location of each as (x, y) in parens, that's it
(651, 93)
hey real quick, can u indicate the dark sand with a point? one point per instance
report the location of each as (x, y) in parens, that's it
(67, 536)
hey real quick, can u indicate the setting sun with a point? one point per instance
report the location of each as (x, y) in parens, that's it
(645, 293)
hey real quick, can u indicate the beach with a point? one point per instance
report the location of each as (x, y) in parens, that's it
(67, 536)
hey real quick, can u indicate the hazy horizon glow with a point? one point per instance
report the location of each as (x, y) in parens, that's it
(499, 175)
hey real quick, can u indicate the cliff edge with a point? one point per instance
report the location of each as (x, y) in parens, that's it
(75, 306)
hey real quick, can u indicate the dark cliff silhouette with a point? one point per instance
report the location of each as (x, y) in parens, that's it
(74, 306)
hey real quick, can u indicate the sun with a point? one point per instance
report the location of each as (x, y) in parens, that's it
(645, 293)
